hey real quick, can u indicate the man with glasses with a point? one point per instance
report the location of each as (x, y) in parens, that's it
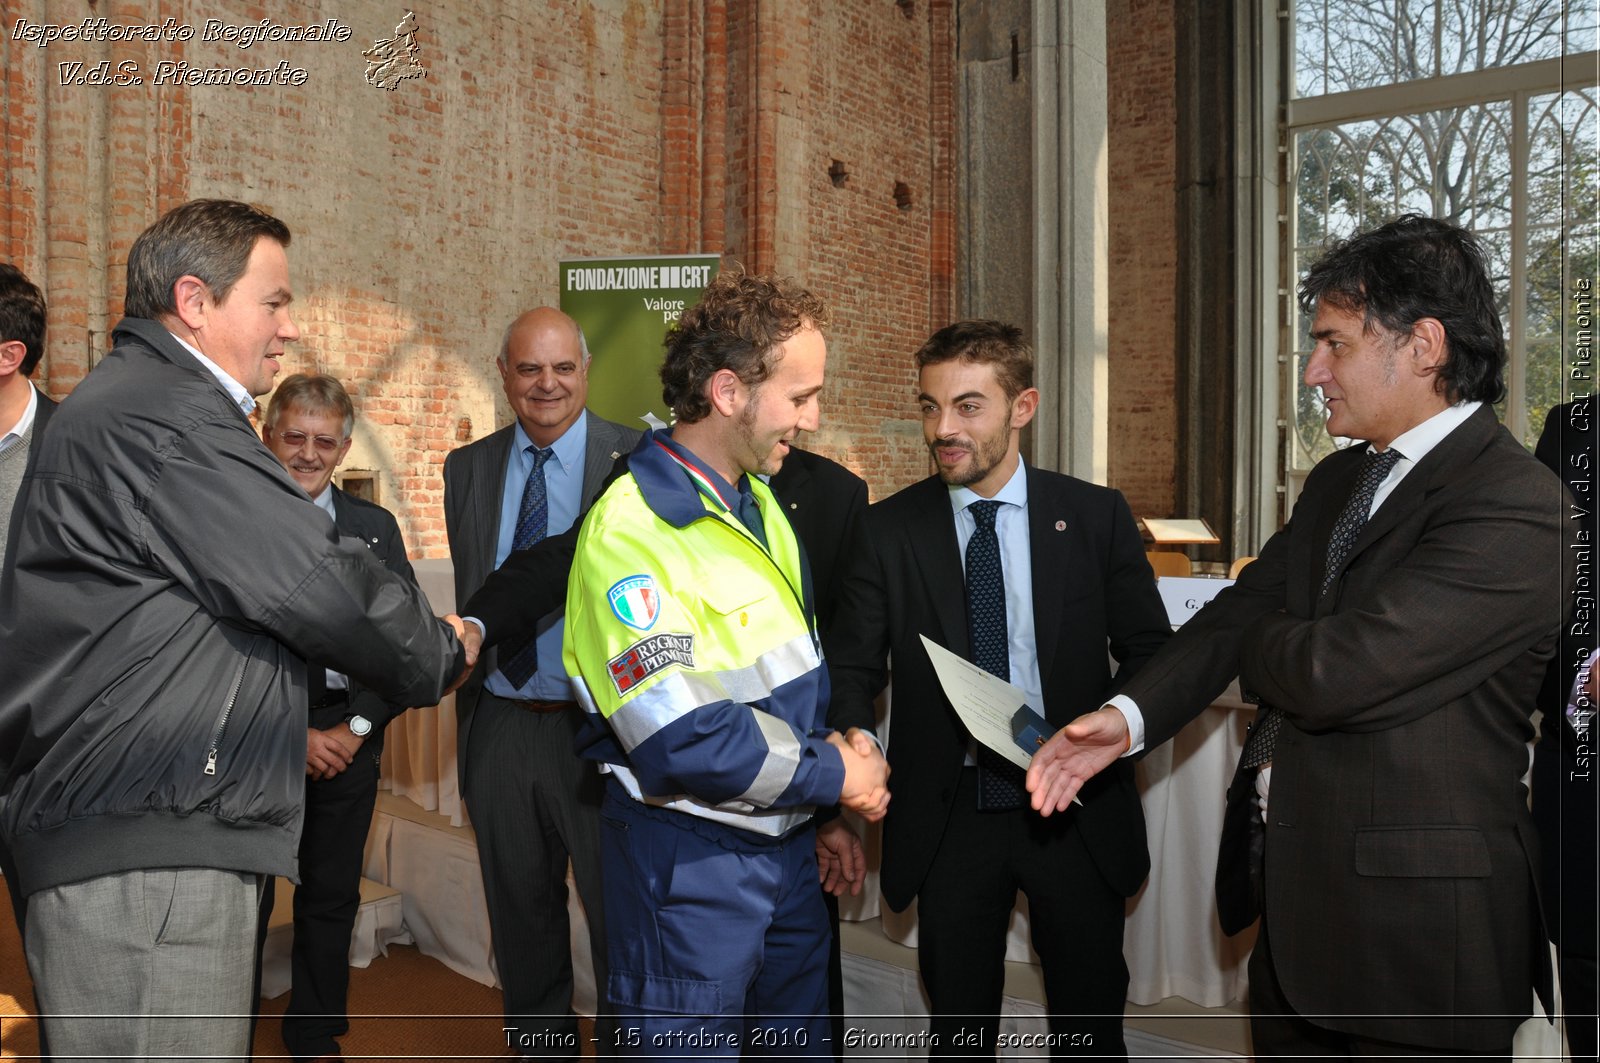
(308, 428)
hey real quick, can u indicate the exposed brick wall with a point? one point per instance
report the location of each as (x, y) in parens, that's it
(1142, 161)
(427, 217)
(424, 218)
(885, 270)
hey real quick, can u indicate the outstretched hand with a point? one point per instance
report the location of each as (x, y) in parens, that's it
(1074, 755)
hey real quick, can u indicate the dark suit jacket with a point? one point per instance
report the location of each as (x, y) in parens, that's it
(1567, 448)
(474, 477)
(375, 526)
(47, 406)
(826, 503)
(1399, 850)
(1092, 587)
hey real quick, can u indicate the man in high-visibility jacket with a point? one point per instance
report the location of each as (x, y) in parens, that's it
(691, 640)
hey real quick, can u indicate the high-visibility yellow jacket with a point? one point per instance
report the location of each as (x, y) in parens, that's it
(694, 652)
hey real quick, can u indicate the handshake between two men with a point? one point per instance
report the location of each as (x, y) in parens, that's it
(866, 772)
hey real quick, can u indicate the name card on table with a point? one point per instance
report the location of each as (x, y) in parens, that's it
(1184, 595)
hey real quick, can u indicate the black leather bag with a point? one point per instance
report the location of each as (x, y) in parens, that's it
(1240, 855)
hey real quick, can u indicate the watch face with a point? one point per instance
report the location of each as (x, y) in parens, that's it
(360, 726)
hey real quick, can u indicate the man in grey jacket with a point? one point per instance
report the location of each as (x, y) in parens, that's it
(167, 584)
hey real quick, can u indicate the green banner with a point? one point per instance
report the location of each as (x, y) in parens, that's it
(625, 306)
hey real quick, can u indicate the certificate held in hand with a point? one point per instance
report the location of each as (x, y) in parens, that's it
(991, 708)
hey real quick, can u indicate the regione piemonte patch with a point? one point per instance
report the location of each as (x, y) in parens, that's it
(636, 601)
(648, 656)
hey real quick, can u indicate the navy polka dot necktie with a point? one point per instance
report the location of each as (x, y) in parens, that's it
(533, 522)
(1000, 785)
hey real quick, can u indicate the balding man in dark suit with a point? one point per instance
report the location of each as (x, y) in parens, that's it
(533, 804)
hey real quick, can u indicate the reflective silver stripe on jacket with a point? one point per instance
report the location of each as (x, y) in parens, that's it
(683, 691)
(772, 822)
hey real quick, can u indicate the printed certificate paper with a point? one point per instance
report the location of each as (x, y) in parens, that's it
(986, 703)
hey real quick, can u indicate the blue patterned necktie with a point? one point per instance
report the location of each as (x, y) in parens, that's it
(1374, 470)
(1000, 786)
(533, 522)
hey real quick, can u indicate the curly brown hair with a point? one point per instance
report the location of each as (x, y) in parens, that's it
(739, 321)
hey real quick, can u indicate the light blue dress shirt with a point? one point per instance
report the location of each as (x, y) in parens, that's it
(1016, 565)
(563, 478)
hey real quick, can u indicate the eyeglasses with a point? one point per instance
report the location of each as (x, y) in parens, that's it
(294, 440)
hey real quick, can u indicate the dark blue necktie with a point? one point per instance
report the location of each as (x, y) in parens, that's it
(750, 514)
(1000, 786)
(533, 522)
(1374, 470)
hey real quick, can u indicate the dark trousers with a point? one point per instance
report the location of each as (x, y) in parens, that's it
(337, 819)
(535, 804)
(964, 910)
(1277, 1032)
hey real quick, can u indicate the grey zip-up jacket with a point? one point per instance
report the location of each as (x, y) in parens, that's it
(165, 583)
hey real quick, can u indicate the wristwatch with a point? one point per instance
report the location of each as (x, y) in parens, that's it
(360, 726)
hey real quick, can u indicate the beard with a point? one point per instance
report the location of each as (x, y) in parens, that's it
(765, 461)
(986, 454)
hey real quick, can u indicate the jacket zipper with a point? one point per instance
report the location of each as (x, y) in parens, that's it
(222, 717)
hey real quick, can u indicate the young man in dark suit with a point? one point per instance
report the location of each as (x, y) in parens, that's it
(308, 427)
(533, 803)
(1396, 632)
(1031, 575)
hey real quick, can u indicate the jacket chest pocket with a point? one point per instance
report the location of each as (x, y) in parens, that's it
(736, 602)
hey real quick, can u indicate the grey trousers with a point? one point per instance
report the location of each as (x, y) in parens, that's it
(146, 964)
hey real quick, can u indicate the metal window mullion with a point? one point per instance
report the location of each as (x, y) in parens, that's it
(1517, 348)
(1434, 94)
